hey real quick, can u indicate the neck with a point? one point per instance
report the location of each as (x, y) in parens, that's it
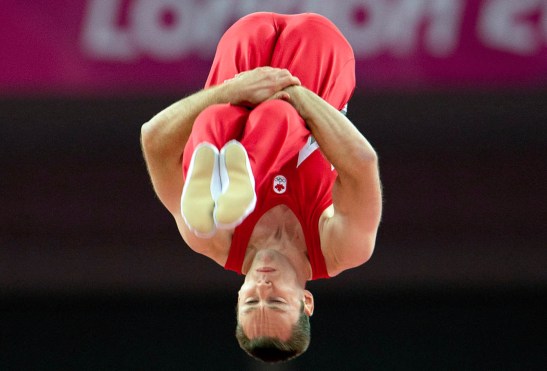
(279, 230)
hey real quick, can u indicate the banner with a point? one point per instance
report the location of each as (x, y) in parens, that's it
(140, 47)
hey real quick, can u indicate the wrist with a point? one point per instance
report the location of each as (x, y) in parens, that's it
(226, 93)
(293, 89)
(296, 96)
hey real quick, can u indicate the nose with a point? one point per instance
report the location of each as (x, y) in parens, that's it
(263, 286)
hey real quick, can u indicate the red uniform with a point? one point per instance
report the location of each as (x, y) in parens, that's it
(308, 45)
(287, 167)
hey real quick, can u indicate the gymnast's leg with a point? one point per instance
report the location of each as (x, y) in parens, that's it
(326, 67)
(213, 128)
(274, 134)
(246, 45)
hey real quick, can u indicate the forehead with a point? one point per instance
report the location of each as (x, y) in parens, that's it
(267, 321)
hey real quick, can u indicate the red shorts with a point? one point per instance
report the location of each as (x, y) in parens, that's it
(272, 133)
(308, 45)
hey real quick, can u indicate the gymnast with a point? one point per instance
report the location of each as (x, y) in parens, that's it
(265, 175)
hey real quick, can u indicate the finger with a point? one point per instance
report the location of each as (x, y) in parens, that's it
(296, 81)
(288, 81)
(282, 95)
(292, 80)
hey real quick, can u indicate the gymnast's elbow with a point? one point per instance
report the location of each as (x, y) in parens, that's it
(364, 253)
(358, 253)
(151, 142)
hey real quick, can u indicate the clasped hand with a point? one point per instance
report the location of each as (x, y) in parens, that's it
(253, 87)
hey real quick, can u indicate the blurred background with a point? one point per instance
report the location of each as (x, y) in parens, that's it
(93, 273)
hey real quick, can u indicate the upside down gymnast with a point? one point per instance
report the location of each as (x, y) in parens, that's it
(264, 174)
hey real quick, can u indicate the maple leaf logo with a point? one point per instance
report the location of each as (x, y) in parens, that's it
(280, 184)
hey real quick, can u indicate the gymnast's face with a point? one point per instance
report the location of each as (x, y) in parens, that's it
(270, 299)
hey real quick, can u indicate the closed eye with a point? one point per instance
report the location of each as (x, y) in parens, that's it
(270, 301)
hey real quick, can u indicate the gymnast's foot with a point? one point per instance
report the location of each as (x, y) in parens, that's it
(201, 187)
(238, 197)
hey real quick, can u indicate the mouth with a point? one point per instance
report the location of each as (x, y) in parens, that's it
(265, 270)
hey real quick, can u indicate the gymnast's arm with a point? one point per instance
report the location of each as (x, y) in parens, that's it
(164, 137)
(348, 234)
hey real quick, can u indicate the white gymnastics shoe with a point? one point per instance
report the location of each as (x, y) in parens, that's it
(237, 198)
(200, 190)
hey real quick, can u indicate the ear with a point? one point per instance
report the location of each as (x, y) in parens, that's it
(308, 303)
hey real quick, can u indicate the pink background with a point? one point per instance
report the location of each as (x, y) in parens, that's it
(43, 48)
